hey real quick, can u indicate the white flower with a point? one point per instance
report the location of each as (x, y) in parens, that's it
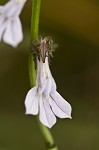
(43, 99)
(10, 25)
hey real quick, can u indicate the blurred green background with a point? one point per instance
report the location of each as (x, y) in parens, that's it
(74, 25)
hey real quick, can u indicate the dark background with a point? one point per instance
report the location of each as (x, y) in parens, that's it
(74, 26)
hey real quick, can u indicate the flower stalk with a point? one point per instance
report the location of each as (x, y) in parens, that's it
(49, 141)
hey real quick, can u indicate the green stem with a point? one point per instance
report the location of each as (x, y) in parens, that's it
(34, 33)
(49, 141)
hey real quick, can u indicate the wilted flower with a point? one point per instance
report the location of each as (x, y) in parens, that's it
(43, 99)
(10, 25)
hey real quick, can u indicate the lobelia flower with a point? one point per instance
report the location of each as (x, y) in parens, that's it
(10, 25)
(43, 99)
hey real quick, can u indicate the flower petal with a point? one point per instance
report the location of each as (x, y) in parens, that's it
(1, 9)
(13, 34)
(9, 7)
(48, 86)
(2, 26)
(41, 78)
(53, 88)
(46, 115)
(31, 102)
(60, 106)
(13, 8)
